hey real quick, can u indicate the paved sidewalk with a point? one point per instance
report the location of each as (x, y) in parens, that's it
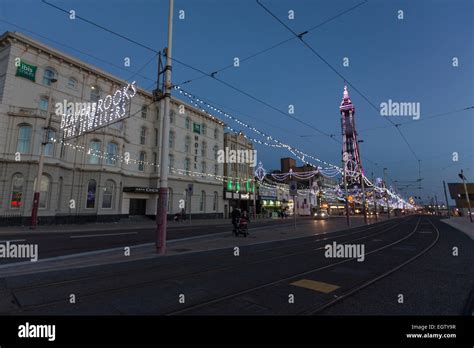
(307, 227)
(461, 223)
(120, 225)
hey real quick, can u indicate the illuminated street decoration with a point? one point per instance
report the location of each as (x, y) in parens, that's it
(350, 145)
(80, 118)
(260, 172)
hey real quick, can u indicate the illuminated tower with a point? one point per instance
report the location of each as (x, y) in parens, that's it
(350, 146)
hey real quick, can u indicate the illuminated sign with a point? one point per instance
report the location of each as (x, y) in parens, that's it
(80, 118)
(25, 70)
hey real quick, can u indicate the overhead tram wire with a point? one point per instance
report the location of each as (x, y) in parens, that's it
(331, 136)
(422, 119)
(272, 47)
(300, 36)
(71, 48)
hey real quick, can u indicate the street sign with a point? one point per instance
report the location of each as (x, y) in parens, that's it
(293, 188)
(190, 189)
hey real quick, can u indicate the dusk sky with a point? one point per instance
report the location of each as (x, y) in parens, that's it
(407, 60)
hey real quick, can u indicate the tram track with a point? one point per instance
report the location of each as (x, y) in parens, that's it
(18, 290)
(317, 269)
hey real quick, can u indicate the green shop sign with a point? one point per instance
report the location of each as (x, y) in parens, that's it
(197, 128)
(27, 71)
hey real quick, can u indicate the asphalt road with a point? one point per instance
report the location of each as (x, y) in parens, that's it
(285, 277)
(55, 243)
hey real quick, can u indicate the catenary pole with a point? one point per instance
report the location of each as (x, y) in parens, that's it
(161, 216)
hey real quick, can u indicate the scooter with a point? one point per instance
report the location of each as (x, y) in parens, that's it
(242, 228)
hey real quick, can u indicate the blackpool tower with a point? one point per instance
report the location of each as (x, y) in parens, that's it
(350, 146)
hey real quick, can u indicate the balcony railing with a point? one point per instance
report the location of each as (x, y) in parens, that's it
(23, 111)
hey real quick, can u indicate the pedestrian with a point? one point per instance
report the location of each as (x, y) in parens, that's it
(235, 219)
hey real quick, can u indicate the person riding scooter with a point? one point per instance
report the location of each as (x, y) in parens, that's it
(243, 223)
(235, 219)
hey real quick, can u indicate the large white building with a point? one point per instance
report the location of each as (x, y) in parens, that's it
(91, 177)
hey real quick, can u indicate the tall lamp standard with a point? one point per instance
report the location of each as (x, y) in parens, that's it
(44, 142)
(461, 175)
(386, 192)
(364, 211)
(161, 222)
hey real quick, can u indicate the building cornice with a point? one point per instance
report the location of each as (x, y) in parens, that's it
(16, 37)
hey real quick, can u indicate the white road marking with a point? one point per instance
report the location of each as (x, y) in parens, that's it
(103, 235)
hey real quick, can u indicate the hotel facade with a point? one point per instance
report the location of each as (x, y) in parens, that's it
(105, 175)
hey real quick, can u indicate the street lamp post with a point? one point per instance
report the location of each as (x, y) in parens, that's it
(374, 192)
(461, 175)
(39, 176)
(446, 197)
(386, 192)
(364, 210)
(161, 218)
(345, 192)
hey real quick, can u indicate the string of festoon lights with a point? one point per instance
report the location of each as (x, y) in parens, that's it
(124, 159)
(199, 103)
(328, 172)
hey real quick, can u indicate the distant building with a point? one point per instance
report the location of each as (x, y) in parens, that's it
(88, 178)
(240, 159)
(458, 193)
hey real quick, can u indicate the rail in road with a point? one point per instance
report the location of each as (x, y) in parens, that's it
(331, 300)
(119, 282)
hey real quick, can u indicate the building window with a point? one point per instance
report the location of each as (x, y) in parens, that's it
(170, 201)
(187, 164)
(203, 129)
(216, 133)
(215, 149)
(204, 168)
(95, 94)
(171, 140)
(94, 152)
(143, 136)
(187, 123)
(216, 169)
(43, 103)
(171, 116)
(187, 144)
(155, 160)
(171, 162)
(141, 162)
(91, 189)
(44, 190)
(203, 149)
(48, 76)
(156, 137)
(107, 198)
(24, 139)
(202, 204)
(111, 156)
(215, 201)
(50, 136)
(72, 83)
(144, 111)
(17, 191)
